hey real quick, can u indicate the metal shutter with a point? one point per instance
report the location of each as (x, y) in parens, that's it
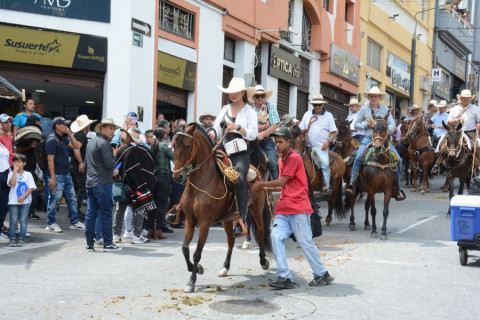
(336, 100)
(302, 104)
(283, 97)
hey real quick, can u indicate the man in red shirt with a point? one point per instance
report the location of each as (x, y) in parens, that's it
(292, 214)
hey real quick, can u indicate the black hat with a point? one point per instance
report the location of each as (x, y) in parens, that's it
(283, 132)
(60, 120)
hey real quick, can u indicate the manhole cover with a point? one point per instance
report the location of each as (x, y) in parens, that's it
(245, 306)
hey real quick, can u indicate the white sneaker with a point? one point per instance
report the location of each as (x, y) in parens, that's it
(54, 228)
(117, 239)
(4, 236)
(144, 232)
(140, 240)
(77, 226)
(99, 243)
(128, 235)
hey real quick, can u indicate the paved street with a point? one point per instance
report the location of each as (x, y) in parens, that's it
(415, 274)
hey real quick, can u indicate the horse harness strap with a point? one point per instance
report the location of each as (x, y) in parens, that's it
(392, 166)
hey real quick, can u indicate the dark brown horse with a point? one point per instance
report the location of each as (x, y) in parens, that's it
(377, 174)
(208, 198)
(405, 152)
(337, 170)
(423, 153)
(458, 161)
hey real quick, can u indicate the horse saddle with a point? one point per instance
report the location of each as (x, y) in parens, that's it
(223, 162)
(368, 153)
(316, 159)
(351, 158)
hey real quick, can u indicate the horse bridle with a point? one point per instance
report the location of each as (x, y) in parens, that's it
(339, 143)
(188, 164)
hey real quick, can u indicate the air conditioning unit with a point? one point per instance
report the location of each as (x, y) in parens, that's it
(424, 83)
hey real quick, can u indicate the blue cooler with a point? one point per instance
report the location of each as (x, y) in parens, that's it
(465, 217)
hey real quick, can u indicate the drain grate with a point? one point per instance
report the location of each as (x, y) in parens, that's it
(245, 306)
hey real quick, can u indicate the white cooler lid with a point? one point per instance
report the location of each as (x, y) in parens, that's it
(465, 201)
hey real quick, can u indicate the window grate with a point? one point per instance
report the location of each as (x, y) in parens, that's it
(176, 20)
(286, 35)
(306, 32)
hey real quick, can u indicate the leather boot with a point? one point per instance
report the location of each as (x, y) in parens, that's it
(151, 234)
(159, 235)
(398, 194)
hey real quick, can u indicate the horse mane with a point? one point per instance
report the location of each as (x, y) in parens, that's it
(296, 132)
(202, 131)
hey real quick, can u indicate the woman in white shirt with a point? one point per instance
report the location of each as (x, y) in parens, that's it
(4, 188)
(238, 121)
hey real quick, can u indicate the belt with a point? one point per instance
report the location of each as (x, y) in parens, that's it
(470, 130)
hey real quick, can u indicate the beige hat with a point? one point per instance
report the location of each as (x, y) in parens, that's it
(259, 89)
(441, 104)
(466, 94)
(352, 102)
(81, 123)
(136, 135)
(433, 101)
(317, 99)
(374, 90)
(104, 122)
(206, 114)
(237, 85)
(414, 107)
(286, 118)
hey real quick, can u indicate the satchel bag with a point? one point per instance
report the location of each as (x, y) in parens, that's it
(119, 192)
(235, 146)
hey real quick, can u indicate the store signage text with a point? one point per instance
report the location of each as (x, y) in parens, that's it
(400, 78)
(284, 65)
(176, 72)
(344, 64)
(47, 47)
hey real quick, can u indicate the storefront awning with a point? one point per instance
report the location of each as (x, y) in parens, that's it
(8, 91)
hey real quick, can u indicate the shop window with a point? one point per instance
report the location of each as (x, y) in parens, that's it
(306, 32)
(374, 54)
(176, 20)
(350, 12)
(286, 35)
(394, 61)
(227, 77)
(326, 5)
(229, 50)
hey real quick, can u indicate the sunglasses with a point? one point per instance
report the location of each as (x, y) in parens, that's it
(260, 96)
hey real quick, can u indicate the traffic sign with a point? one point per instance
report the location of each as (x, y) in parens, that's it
(137, 40)
(141, 27)
(436, 75)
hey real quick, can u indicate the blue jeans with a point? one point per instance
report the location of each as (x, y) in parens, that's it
(4, 191)
(99, 204)
(269, 148)
(63, 186)
(18, 212)
(324, 162)
(299, 225)
(359, 158)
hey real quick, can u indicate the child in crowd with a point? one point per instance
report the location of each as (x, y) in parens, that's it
(22, 185)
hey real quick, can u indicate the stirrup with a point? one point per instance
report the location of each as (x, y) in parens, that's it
(400, 193)
(349, 189)
(242, 225)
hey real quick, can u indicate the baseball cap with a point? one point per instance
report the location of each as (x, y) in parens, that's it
(132, 115)
(283, 132)
(60, 120)
(4, 117)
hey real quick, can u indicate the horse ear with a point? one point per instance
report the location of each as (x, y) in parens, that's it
(349, 122)
(459, 126)
(445, 125)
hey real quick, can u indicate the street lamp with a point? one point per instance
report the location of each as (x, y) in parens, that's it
(414, 52)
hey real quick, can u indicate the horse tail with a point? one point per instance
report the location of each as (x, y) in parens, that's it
(266, 241)
(340, 212)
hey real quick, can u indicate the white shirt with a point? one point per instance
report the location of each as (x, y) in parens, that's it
(470, 116)
(246, 117)
(22, 184)
(352, 116)
(320, 129)
(4, 154)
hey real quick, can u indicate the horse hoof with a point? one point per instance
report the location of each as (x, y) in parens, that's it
(374, 235)
(327, 223)
(246, 244)
(367, 227)
(266, 265)
(383, 237)
(422, 192)
(224, 272)
(189, 288)
(200, 269)
(351, 227)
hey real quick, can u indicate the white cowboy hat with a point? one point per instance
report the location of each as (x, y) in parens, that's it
(414, 107)
(352, 102)
(259, 89)
(81, 123)
(207, 114)
(433, 101)
(136, 135)
(374, 90)
(104, 122)
(237, 85)
(317, 99)
(465, 94)
(441, 104)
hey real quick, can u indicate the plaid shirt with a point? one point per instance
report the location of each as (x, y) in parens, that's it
(164, 156)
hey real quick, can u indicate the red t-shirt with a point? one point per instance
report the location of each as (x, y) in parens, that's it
(294, 197)
(6, 140)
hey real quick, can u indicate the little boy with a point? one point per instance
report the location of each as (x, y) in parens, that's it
(22, 185)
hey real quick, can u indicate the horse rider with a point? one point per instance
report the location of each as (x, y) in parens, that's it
(268, 122)
(469, 115)
(206, 120)
(432, 110)
(354, 107)
(365, 122)
(437, 121)
(321, 132)
(238, 121)
(414, 112)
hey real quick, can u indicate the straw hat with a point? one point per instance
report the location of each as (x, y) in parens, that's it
(317, 99)
(207, 114)
(465, 94)
(433, 101)
(441, 104)
(374, 90)
(259, 89)
(81, 123)
(136, 135)
(352, 102)
(237, 85)
(104, 122)
(286, 118)
(414, 107)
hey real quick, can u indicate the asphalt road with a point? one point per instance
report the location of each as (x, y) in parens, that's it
(415, 274)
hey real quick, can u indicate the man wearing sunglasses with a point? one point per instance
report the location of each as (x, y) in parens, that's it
(268, 122)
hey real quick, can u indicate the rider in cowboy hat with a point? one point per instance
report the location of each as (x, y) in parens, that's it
(206, 120)
(354, 107)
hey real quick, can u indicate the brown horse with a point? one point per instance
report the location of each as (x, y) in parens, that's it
(209, 198)
(423, 152)
(405, 152)
(337, 170)
(377, 174)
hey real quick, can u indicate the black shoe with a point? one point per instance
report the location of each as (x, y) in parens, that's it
(181, 225)
(321, 281)
(327, 192)
(237, 231)
(167, 229)
(112, 247)
(171, 217)
(282, 283)
(90, 247)
(349, 189)
(33, 216)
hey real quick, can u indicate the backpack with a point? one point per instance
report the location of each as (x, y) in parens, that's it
(41, 154)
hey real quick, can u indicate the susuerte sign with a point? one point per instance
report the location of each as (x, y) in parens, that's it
(176, 72)
(284, 65)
